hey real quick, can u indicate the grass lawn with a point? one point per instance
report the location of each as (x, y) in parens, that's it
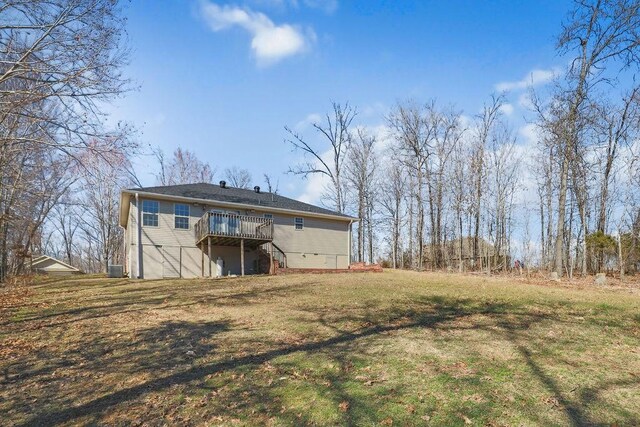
(399, 348)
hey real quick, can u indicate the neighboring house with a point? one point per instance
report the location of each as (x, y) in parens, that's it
(44, 264)
(202, 230)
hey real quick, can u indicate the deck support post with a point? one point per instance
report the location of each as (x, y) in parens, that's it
(209, 244)
(242, 257)
(201, 259)
(271, 265)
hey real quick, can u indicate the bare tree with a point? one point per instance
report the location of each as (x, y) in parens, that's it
(597, 33)
(503, 166)
(486, 122)
(336, 131)
(414, 148)
(237, 177)
(393, 188)
(66, 224)
(270, 187)
(446, 129)
(360, 175)
(619, 125)
(102, 178)
(184, 168)
(60, 62)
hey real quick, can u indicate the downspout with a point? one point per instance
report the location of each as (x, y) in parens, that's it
(349, 229)
(126, 251)
(139, 267)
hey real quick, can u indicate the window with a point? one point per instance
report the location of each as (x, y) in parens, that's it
(150, 210)
(299, 223)
(181, 216)
(268, 216)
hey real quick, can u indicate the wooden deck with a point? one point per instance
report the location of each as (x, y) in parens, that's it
(231, 230)
(243, 231)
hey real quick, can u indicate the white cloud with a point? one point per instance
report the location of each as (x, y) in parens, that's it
(524, 100)
(375, 110)
(327, 6)
(270, 43)
(530, 134)
(506, 109)
(307, 122)
(315, 188)
(534, 78)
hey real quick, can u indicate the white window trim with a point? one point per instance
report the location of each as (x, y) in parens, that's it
(295, 225)
(148, 213)
(188, 216)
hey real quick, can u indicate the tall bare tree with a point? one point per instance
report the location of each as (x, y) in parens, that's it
(360, 174)
(619, 125)
(238, 177)
(485, 126)
(446, 129)
(103, 176)
(393, 188)
(414, 139)
(60, 62)
(184, 167)
(598, 34)
(327, 161)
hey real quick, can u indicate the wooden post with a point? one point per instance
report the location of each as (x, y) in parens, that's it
(201, 259)
(271, 267)
(209, 244)
(242, 257)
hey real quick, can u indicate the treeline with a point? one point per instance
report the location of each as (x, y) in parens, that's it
(444, 192)
(60, 62)
(434, 187)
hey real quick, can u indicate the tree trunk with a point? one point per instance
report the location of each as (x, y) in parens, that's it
(562, 200)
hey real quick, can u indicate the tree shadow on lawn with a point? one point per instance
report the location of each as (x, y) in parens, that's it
(575, 408)
(147, 298)
(160, 354)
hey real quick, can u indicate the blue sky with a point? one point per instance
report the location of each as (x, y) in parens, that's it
(223, 78)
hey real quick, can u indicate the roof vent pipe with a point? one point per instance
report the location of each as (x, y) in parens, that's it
(256, 189)
(223, 184)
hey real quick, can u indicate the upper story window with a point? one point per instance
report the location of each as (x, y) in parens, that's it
(299, 223)
(268, 216)
(150, 209)
(181, 216)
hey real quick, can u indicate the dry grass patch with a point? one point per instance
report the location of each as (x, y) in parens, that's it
(394, 348)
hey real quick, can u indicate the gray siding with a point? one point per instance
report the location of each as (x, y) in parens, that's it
(322, 243)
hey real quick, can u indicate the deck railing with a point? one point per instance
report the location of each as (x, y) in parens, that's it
(278, 254)
(233, 225)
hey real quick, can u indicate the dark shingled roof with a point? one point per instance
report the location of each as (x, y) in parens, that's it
(236, 195)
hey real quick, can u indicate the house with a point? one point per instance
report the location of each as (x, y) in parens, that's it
(44, 264)
(207, 230)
